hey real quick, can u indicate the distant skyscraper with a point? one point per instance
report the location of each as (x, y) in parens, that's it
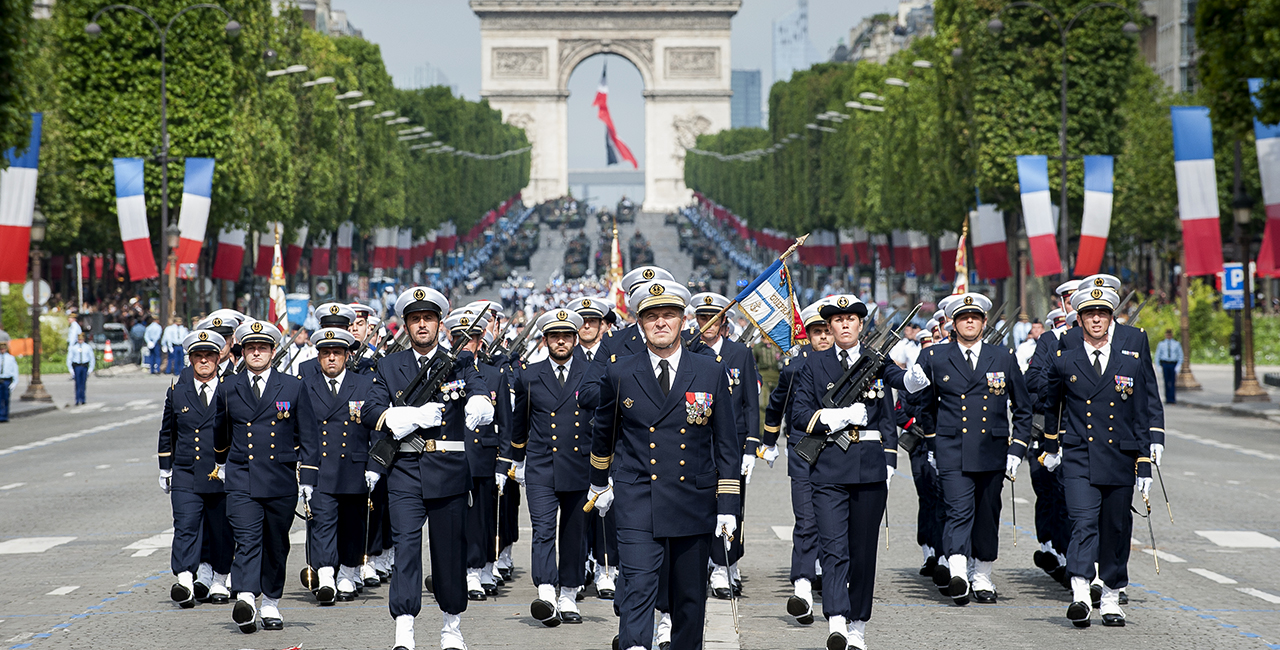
(791, 47)
(745, 106)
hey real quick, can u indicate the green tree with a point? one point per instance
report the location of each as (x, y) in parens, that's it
(17, 48)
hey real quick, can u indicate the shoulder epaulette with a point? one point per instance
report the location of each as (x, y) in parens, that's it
(786, 362)
(1059, 352)
(1142, 330)
(609, 334)
(930, 352)
(613, 358)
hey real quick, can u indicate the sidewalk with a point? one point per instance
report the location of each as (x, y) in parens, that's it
(1217, 390)
(61, 387)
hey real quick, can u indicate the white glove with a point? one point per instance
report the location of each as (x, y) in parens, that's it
(770, 455)
(726, 525)
(890, 470)
(166, 480)
(748, 464)
(402, 420)
(1052, 461)
(857, 414)
(222, 471)
(501, 479)
(305, 491)
(520, 472)
(1157, 451)
(371, 479)
(1011, 464)
(479, 412)
(932, 462)
(1144, 485)
(915, 379)
(430, 415)
(603, 497)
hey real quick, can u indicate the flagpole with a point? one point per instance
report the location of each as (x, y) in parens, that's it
(702, 330)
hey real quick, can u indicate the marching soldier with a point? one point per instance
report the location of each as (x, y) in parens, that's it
(804, 536)
(740, 366)
(366, 342)
(628, 340)
(269, 453)
(665, 427)
(192, 414)
(225, 322)
(332, 315)
(929, 507)
(429, 478)
(1107, 441)
(851, 474)
(378, 561)
(550, 444)
(974, 386)
(340, 504)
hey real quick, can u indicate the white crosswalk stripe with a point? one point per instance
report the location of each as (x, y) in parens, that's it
(11, 486)
(62, 591)
(77, 434)
(1165, 555)
(1236, 538)
(22, 545)
(1271, 598)
(149, 545)
(1216, 577)
(783, 532)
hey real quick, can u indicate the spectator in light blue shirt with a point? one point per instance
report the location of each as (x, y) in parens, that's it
(80, 363)
(151, 336)
(8, 375)
(1169, 356)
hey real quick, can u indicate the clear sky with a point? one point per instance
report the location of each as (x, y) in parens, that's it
(446, 35)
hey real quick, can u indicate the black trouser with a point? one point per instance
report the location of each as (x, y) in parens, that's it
(643, 558)
(200, 532)
(337, 529)
(973, 513)
(379, 521)
(545, 503)
(509, 517)
(848, 519)
(1101, 528)
(1053, 524)
(446, 520)
(735, 547)
(261, 529)
(482, 522)
(1170, 369)
(930, 512)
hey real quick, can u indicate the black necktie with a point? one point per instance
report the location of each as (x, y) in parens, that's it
(591, 356)
(1097, 361)
(423, 361)
(968, 355)
(204, 393)
(844, 358)
(257, 387)
(333, 387)
(664, 376)
(560, 374)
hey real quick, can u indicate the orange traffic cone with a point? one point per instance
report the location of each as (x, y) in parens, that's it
(107, 356)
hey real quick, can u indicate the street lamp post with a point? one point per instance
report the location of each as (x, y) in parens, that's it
(1129, 28)
(1242, 206)
(93, 29)
(35, 389)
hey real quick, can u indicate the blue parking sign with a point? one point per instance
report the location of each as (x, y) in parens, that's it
(1233, 283)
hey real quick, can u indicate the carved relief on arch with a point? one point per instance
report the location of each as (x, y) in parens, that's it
(519, 62)
(575, 50)
(687, 129)
(525, 121)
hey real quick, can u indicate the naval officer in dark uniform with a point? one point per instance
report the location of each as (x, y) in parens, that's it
(429, 486)
(377, 566)
(666, 429)
(340, 504)
(851, 476)
(192, 415)
(270, 448)
(1106, 443)
(973, 388)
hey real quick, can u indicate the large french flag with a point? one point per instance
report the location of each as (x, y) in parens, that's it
(1197, 189)
(266, 250)
(230, 255)
(1099, 179)
(320, 254)
(197, 188)
(1037, 213)
(131, 207)
(901, 251)
(1268, 145)
(990, 248)
(921, 256)
(345, 233)
(613, 145)
(293, 254)
(18, 204)
(404, 248)
(947, 255)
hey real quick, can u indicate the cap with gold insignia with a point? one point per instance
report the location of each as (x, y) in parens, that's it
(947, 302)
(968, 303)
(421, 299)
(258, 331)
(924, 335)
(644, 274)
(809, 315)
(842, 304)
(464, 320)
(657, 293)
(362, 311)
(335, 314)
(1056, 318)
(1095, 298)
(480, 306)
(333, 337)
(1100, 281)
(559, 320)
(590, 306)
(1065, 289)
(708, 302)
(203, 340)
(223, 326)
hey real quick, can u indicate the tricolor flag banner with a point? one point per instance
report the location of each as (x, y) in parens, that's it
(266, 249)
(345, 232)
(962, 263)
(131, 208)
(1037, 214)
(921, 256)
(901, 251)
(1197, 189)
(293, 254)
(612, 144)
(404, 248)
(277, 304)
(881, 245)
(990, 248)
(615, 273)
(18, 205)
(947, 255)
(230, 255)
(846, 246)
(1098, 181)
(861, 245)
(197, 188)
(1268, 144)
(384, 248)
(769, 302)
(320, 254)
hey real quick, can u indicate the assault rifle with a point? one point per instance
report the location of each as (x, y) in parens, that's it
(517, 348)
(998, 313)
(998, 335)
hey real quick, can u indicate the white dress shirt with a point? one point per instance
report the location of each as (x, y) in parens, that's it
(977, 353)
(1102, 358)
(266, 377)
(593, 350)
(336, 388)
(673, 361)
(212, 387)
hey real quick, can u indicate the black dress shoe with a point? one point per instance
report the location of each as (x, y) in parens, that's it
(505, 573)
(274, 624)
(836, 641)
(958, 589)
(346, 596)
(1060, 576)
(1046, 561)
(372, 581)
(664, 645)
(219, 599)
(383, 576)
(426, 582)
(1124, 598)
(1113, 620)
(604, 594)
(737, 589)
(985, 597)
(929, 566)
(545, 612)
(941, 577)
(1078, 614)
(797, 607)
(580, 596)
(399, 647)
(570, 618)
(476, 595)
(202, 591)
(325, 595)
(243, 615)
(615, 642)
(181, 595)
(723, 593)
(1095, 594)
(490, 589)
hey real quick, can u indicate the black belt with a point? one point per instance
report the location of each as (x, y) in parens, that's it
(81, 365)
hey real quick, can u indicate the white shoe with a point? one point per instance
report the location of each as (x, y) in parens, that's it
(664, 628)
(959, 567)
(504, 559)
(604, 580)
(404, 631)
(367, 571)
(858, 635)
(473, 580)
(982, 577)
(1110, 607)
(734, 575)
(270, 608)
(451, 633)
(488, 575)
(325, 576)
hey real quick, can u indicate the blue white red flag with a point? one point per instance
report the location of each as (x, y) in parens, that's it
(769, 302)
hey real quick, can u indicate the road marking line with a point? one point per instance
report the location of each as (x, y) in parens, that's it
(11, 486)
(1216, 577)
(298, 536)
(133, 460)
(102, 467)
(153, 543)
(1222, 445)
(139, 402)
(77, 434)
(783, 532)
(1165, 555)
(62, 591)
(91, 406)
(1271, 598)
(144, 552)
(68, 474)
(31, 544)
(1233, 538)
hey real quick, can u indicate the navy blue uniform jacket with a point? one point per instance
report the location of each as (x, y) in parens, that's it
(187, 432)
(344, 435)
(484, 443)
(552, 431)
(736, 358)
(782, 403)
(271, 444)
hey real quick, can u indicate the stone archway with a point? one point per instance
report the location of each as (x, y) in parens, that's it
(529, 49)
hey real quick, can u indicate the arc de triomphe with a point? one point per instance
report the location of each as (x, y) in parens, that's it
(529, 48)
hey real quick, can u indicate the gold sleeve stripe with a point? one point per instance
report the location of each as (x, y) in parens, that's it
(599, 462)
(505, 460)
(812, 421)
(1050, 436)
(1021, 442)
(1143, 459)
(381, 418)
(310, 467)
(728, 486)
(1157, 429)
(519, 445)
(752, 439)
(219, 451)
(170, 454)
(931, 435)
(772, 428)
